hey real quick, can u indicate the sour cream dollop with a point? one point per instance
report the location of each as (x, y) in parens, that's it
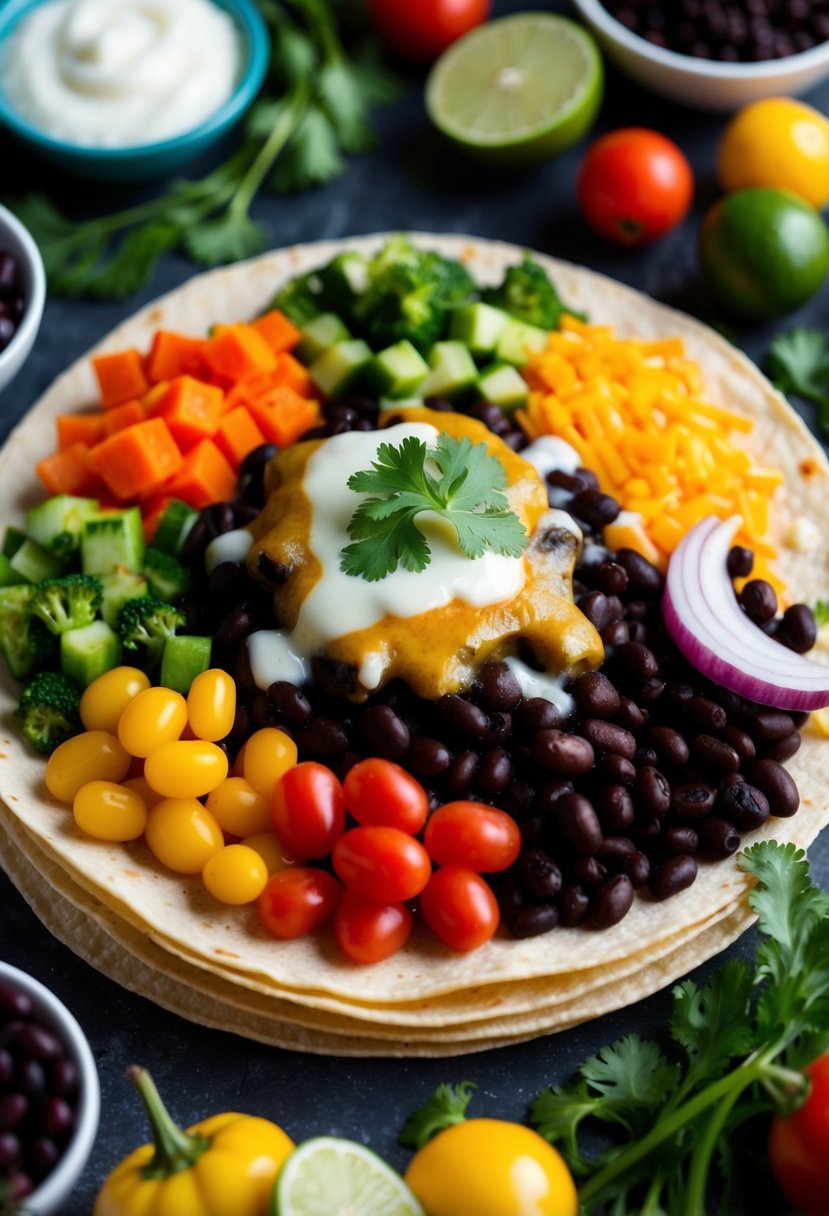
(121, 73)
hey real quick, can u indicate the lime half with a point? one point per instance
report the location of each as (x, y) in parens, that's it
(327, 1176)
(517, 90)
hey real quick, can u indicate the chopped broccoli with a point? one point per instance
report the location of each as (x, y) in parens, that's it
(49, 710)
(67, 603)
(299, 299)
(409, 295)
(145, 624)
(528, 294)
(167, 577)
(25, 641)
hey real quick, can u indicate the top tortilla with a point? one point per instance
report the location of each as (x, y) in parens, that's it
(172, 907)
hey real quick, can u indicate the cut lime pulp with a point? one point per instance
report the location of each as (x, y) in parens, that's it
(328, 1176)
(517, 90)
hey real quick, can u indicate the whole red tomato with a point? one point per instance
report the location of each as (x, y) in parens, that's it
(308, 809)
(459, 908)
(297, 901)
(422, 29)
(368, 931)
(634, 185)
(799, 1146)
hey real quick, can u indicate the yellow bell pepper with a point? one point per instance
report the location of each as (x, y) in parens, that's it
(223, 1166)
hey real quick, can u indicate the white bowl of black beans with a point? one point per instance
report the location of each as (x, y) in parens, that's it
(22, 295)
(715, 55)
(49, 1096)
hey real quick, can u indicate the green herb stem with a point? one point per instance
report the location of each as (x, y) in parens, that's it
(704, 1151)
(283, 130)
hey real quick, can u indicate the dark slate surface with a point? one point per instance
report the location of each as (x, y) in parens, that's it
(411, 181)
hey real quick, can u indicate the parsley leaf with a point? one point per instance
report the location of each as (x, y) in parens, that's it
(446, 1107)
(466, 492)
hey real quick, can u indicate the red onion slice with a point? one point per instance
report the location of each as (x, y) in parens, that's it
(705, 621)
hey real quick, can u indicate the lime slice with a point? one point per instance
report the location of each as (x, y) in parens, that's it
(517, 90)
(327, 1176)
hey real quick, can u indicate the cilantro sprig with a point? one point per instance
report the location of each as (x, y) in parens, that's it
(313, 112)
(457, 479)
(798, 364)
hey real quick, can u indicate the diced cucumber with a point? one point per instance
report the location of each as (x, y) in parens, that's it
(168, 578)
(503, 385)
(56, 523)
(318, 335)
(518, 341)
(8, 576)
(452, 370)
(34, 563)
(172, 529)
(398, 370)
(343, 279)
(184, 658)
(88, 652)
(478, 326)
(339, 367)
(387, 404)
(120, 586)
(12, 541)
(112, 540)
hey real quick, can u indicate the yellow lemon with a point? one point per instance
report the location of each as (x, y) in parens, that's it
(779, 143)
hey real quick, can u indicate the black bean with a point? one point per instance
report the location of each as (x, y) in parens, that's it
(55, 1117)
(579, 823)
(262, 711)
(549, 794)
(630, 715)
(740, 562)
(495, 771)
(290, 703)
(712, 755)
(534, 714)
(741, 741)
(778, 786)
(638, 661)
(532, 920)
(615, 634)
(463, 718)
(324, 737)
(573, 904)
(595, 696)
(588, 873)
(6, 1068)
(10, 1151)
(782, 750)
(569, 755)
(498, 687)
(614, 806)
(692, 800)
(39, 1042)
(607, 737)
(64, 1077)
(539, 873)
(638, 868)
(428, 757)
(718, 837)
(30, 1076)
(643, 576)
(769, 724)
(706, 713)
(516, 798)
(13, 1110)
(233, 630)
(744, 805)
(637, 632)
(611, 578)
(14, 1002)
(572, 482)
(195, 543)
(759, 601)
(611, 902)
(798, 628)
(672, 876)
(614, 849)
(532, 832)
(637, 610)
(669, 745)
(461, 773)
(500, 726)
(594, 508)
(679, 838)
(652, 792)
(219, 517)
(42, 1155)
(383, 732)
(614, 770)
(598, 609)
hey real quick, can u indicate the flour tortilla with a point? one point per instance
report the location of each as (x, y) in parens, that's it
(535, 975)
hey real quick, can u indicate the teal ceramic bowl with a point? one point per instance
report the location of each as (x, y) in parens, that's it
(141, 162)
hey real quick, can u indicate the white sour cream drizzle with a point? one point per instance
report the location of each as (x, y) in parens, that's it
(120, 73)
(228, 547)
(540, 684)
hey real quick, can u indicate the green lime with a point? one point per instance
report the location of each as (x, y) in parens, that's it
(327, 1176)
(517, 90)
(764, 252)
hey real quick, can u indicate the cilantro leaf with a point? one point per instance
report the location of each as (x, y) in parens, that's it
(798, 362)
(312, 158)
(384, 531)
(821, 611)
(229, 237)
(446, 1107)
(711, 1022)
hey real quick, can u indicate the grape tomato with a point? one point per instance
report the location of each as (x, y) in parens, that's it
(382, 863)
(308, 809)
(382, 793)
(473, 835)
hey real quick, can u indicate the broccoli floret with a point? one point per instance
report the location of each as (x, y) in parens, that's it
(67, 603)
(144, 625)
(25, 642)
(409, 295)
(167, 577)
(48, 710)
(299, 299)
(528, 294)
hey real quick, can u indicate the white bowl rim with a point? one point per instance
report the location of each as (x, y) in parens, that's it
(768, 69)
(53, 1187)
(33, 312)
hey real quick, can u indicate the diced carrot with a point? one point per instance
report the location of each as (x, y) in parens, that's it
(282, 415)
(70, 472)
(79, 428)
(279, 333)
(137, 460)
(246, 390)
(173, 354)
(151, 399)
(122, 415)
(120, 376)
(237, 435)
(204, 477)
(290, 371)
(191, 410)
(238, 351)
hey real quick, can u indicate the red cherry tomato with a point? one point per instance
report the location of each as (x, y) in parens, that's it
(297, 901)
(421, 29)
(634, 185)
(368, 931)
(470, 834)
(460, 908)
(799, 1146)
(379, 792)
(382, 863)
(308, 809)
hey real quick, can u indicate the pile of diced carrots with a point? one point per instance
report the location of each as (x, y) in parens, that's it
(178, 421)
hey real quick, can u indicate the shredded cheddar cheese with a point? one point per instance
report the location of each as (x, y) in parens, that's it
(636, 414)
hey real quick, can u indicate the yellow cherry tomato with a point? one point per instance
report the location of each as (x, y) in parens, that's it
(142, 787)
(94, 755)
(106, 698)
(211, 704)
(235, 875)
(153, 717)
(267, 754)
(491, 1168)
(272, 851)
(779, 143)
(239, 808)
(109, 811)
(183, 835)
(185, 768)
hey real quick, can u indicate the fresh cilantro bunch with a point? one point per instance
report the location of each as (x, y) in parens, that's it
(798, 364)
(457, 479)
(313, 112)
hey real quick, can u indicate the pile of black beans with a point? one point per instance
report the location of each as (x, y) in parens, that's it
(39, 1086)
(12, 299)
(748, 32)
(654, 769)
